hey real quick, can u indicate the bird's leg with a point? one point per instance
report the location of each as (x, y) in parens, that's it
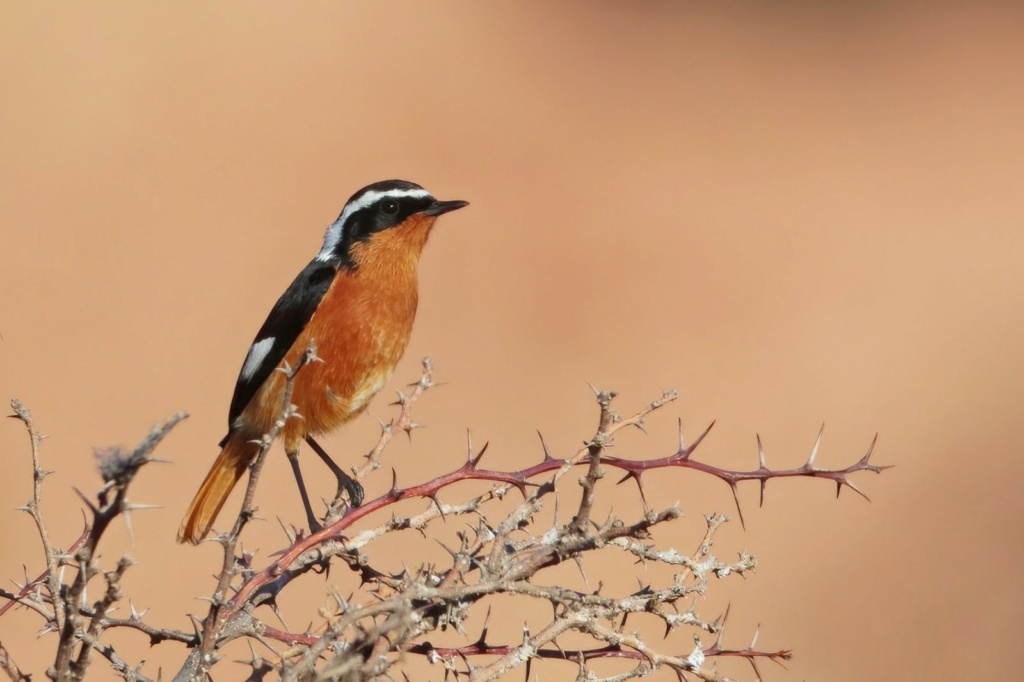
(345, 482)
(314, 525)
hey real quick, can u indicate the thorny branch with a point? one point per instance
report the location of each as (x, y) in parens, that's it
(234, 564)
(65, 608)
(403, 422)
(503, 551)
(34, 507)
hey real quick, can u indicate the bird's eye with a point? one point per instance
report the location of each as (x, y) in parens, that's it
(389, 207)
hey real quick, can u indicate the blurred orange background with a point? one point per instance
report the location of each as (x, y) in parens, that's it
(792, 213)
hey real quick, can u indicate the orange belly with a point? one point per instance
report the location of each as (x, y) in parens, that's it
(360, 331)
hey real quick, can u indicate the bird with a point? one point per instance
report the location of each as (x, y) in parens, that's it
(356, 300)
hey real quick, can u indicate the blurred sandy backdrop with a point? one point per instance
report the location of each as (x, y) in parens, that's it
(792, 214)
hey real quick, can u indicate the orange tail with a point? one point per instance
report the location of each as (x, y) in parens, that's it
(231, 464)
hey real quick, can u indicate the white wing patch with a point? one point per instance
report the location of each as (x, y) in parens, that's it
(334, 232)
(257, 354)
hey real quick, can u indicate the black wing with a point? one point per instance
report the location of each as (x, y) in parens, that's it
(287, 319)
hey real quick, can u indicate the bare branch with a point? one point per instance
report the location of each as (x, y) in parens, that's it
(202, 657)
(35, 505)
(10, 668)
(118, 469)
(403, 422)
(493, 549)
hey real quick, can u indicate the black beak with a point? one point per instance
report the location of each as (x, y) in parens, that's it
(441, 207)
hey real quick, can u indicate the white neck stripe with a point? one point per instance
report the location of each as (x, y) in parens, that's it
(334, 232)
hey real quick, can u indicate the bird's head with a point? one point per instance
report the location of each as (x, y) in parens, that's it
(390, 219)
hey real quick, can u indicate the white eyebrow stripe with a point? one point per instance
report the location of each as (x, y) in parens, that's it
(373, 197)
(334, 232)
(257, 354)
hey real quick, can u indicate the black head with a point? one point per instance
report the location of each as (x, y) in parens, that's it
(378, 207)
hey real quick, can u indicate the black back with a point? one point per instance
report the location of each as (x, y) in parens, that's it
(285, 322)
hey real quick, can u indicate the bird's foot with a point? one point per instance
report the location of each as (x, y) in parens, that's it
(347, 484)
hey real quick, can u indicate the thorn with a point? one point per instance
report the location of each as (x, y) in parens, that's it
(139, 507)
(872, 467)
(454, 554)
(814, 450)
(736, 499)
(579, 564)
(689, 450)
(437, 503)
(128, 525)
(483, 632)
(480, 455)
(247, 557)
(762, 466)
(254, 659)
(340, 601)
(410, 427)
(289, 533)
(277, 612)
(635, 475)
(88, 503)
(521, 487)
(135, 614)
(871, 449)
(197, 625)
(547, 453)
(851, 486)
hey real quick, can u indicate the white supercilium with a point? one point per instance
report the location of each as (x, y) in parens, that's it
(334, 232)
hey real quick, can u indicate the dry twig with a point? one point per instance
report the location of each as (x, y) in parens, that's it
(503, 551)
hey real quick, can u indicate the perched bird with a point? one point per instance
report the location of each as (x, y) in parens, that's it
(356, 300)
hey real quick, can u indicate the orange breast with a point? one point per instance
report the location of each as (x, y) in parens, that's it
(361, 329)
